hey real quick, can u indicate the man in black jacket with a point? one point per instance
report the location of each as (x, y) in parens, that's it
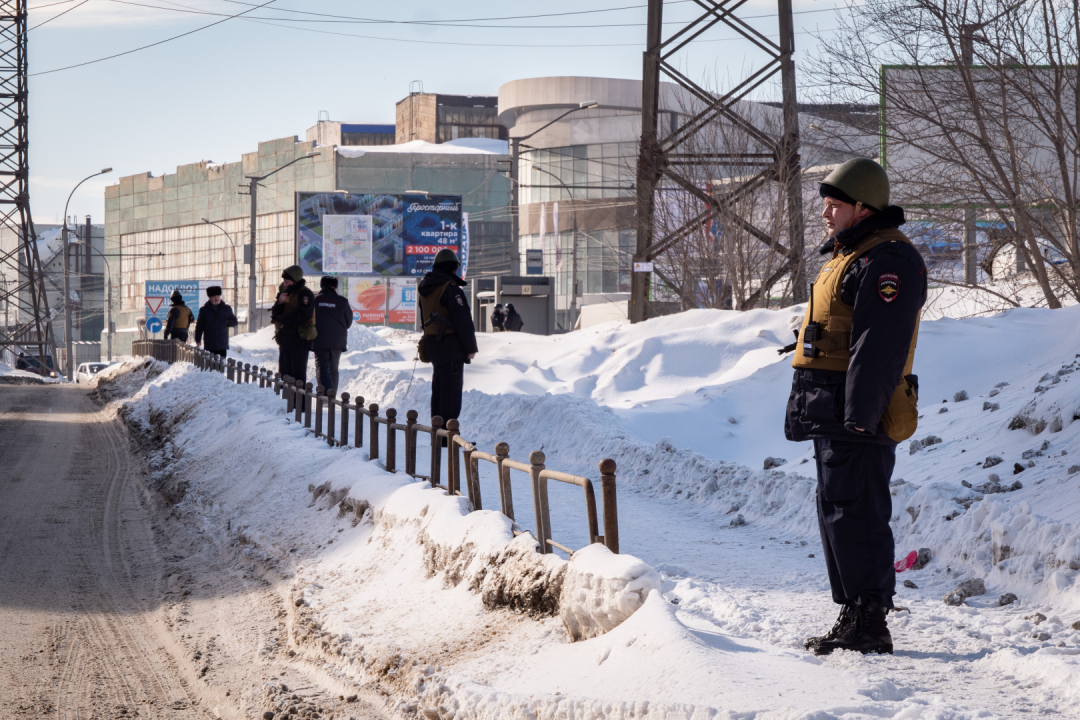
(179, 318)
(449, 334)
(513, 322)
(293, 314)
(215, 319)
(333, 317)
(854, 356)
(498, 318)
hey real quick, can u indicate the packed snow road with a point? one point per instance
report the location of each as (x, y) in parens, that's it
(97, 619)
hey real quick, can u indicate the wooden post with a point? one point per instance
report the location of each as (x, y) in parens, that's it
(391, 440)
(540, 500)
(502, 451)
(307, 405)
(319, 401)
(231, 373)
(436, 450)
(287, 392)
(373, 441)
(298, 403)
(453, 468)
(410, 442)
(611, 509)
(358, 441)
(344, 420)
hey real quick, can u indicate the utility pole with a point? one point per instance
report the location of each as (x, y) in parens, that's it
(515, 207)
(662, 157)
(70, 349)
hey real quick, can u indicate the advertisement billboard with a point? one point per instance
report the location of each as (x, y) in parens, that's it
(156, 297)
(381, 301)
(389, 235)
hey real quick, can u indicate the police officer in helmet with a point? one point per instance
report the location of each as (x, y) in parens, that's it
(179, 318)
(449, 334)
(854, 394)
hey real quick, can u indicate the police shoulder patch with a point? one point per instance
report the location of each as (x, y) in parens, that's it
(306, 300)
(460, 301)
(888, 286)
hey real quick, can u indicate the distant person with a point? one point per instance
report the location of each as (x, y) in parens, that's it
(498, 319)
(333, 318)
(215, 319)
(449, 335)
(513, 323)
(20, 362)
(853, 394)
(294, 317)
(179, 318)
(277, 326)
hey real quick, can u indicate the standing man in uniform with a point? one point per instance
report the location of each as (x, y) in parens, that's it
(215, 319)
(853, 361)
(179, 318)
(333, 317)
(294, 316)
(449, 334)
(513, 322)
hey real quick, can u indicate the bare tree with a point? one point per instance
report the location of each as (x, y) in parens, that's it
(979, 111)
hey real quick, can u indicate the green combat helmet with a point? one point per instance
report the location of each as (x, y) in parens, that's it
(859, 180)
(446, 255)
(294, 273)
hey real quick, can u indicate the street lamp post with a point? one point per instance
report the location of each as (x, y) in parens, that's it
(573, 260)
(515, 151)
(67, 282)
(235, 268)
(253, 185)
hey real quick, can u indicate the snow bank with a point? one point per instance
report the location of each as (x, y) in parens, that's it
(601, 590)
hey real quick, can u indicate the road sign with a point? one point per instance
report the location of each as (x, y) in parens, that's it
(154, 303)
(534, 262)
(153, 325)
(643, 267)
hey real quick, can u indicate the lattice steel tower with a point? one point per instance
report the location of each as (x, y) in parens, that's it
(25, 323)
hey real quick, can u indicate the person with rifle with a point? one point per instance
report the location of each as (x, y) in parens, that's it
(449, 340)
(854, 394)
(179, 318)
(294, 317)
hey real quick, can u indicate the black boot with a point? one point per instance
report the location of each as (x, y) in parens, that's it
(865, 632)
(846, 611)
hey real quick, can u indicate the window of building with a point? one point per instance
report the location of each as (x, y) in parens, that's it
(453, 122)
(367, 134)
(605, 170)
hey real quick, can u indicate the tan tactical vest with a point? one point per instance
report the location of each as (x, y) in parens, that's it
(430, 303)
(183, 317)
(835, 316)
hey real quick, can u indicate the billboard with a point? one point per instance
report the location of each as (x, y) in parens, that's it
(156, 297)
(381, 301)
(389, 235)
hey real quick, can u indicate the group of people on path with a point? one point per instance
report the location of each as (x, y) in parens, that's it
(506, 320)
(212, 327)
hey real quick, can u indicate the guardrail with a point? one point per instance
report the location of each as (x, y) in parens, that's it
(343, 426)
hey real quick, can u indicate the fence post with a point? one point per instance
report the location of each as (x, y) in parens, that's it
(358, 439)
(287, 393)
(319, 399)
(410, 442)
(436, 450)
(277, 383)
(345, 419)
(611, 509)
(307, 405)
(230, 374)
(298, 403)
(373, 441)
(247, 372)
(331, 411)
(502, 451)
(391, 440)
(453, 467)
(540, 500)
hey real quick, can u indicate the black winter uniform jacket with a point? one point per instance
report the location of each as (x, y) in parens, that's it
(462, 342)
(832, 404)
(333, 318)
(291, 318)
(213, 325)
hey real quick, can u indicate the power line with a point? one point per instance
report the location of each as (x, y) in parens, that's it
(144, 47)
(46, 22)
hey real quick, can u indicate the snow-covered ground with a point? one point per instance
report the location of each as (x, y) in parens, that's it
(400, 596)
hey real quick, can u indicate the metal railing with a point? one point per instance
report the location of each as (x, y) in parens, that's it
(340, 421)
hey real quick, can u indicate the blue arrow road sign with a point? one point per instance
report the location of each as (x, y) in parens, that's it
(154, 325)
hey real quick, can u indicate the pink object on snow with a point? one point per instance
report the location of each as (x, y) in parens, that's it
(907, 563)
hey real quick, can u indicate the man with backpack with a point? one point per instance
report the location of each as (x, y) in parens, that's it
(333, 317)
(294, 316)
(449, 340)
(179, 318)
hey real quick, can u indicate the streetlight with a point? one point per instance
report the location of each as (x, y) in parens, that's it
(253, 184)
(108, 298)
(235, 270)
(67, 286)
(515, 151)
(573, 261)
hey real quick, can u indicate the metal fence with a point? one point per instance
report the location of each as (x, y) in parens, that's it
(340, 422)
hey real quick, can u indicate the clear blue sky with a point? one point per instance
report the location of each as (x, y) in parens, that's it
(216, 93)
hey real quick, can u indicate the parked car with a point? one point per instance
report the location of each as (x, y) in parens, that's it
(88, 370)
(32, 363)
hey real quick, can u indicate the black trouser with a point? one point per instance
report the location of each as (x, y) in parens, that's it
(447, 381)
(294, 364)
(180, 335)
(854, 507)
(326, 368)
